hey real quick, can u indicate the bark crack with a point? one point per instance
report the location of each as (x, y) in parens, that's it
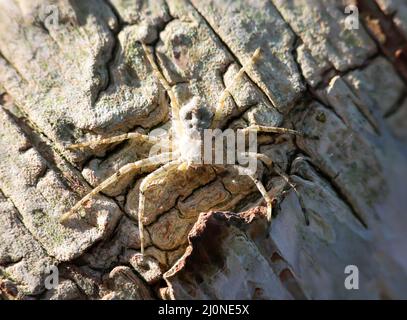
(394, 47)
(336, 188)
(20, 218)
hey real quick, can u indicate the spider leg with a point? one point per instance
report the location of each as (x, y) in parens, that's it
(269, 163)
(267, 129)
(269, 201)
(175, 106)
(219, 113)
(126, 169)
(127, 136)
(262, 189)
(146, 181)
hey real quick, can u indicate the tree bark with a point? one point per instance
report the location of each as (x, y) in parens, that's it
(73, 71)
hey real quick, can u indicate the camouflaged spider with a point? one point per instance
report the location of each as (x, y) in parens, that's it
(188, 124)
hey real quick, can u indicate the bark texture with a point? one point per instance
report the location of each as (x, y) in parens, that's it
(73, 71)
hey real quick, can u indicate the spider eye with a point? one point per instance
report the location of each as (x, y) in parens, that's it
(188, 115)
(195, 116)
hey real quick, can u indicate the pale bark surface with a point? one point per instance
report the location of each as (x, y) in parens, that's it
(85, 76)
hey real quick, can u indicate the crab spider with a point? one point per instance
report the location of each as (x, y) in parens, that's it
(188, 124)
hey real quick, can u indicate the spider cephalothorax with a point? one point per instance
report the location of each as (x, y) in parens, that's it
(196, 116)
(194, 119)
(188, 125)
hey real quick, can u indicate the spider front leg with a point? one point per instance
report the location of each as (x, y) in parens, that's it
(127, 136)
(220, 111)
(144, 184)
(175, 106)
(268, 129)
(128, 168)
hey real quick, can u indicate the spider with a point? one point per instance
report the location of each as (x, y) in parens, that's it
(187, 125)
